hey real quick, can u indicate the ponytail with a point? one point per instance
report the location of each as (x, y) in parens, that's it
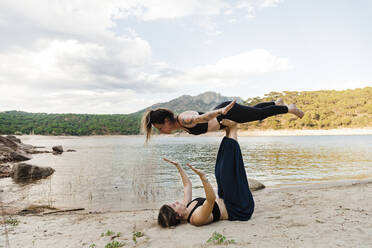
(146, 125)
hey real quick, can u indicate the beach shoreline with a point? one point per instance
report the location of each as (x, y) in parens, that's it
(316, 215)
(295, 132)
(241, 132)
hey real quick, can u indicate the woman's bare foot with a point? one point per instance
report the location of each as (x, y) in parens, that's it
(294, 110)
(228, 123)
(231, 128)
(279, 102)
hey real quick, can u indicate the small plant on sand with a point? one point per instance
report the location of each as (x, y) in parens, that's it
(137, 235)
(92, 246)
(112, 234)
(108, 233)
(218, 238)
(114, 244)
(12, 222)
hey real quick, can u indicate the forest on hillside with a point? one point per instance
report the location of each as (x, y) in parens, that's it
(17, 122)
(325, 109)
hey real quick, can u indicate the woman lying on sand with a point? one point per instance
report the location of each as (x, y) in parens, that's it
(235, 200)
(198, 123)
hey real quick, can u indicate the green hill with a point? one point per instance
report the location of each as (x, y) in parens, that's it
(14, 122)
(324, 109)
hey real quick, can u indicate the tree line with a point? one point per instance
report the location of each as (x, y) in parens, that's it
(325, 109)
(17, 122)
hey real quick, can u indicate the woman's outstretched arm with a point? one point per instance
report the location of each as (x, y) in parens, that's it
(202, 217)
(187, 186)
(191, 118)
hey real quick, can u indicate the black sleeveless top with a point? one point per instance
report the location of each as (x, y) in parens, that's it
(199, 128)
(216, 210)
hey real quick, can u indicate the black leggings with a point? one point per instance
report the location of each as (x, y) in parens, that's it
(241, 114)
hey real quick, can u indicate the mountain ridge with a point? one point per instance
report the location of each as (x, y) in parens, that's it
(202, 102)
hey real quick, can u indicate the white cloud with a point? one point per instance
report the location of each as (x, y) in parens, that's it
(228, 71)
(268, 3)
(170, 9)
(56, 55)
(72, 64)
(258, 61)
(250, 7)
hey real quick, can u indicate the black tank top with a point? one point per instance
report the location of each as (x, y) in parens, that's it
(216, 210)
(199, 128)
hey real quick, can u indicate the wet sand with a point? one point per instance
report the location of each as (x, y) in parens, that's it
(336, 214)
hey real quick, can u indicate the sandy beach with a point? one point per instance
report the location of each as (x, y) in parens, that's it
(333, 214)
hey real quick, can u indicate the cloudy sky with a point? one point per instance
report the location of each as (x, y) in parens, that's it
(111, 56)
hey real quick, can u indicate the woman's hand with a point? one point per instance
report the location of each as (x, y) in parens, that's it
(172, 162)
(198, 172)
(187, 186)
(226, 109)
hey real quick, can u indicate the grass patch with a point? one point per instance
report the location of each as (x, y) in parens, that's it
(114, 244)
(137, 235)
(11, 221)
(218, 238)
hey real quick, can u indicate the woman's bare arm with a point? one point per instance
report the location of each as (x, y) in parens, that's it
(201, 217)
(187, 186)
(191, 118)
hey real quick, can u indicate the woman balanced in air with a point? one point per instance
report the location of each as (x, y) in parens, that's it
(235, 201)
(198, 123)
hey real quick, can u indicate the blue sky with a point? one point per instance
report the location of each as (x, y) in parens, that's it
(121, 56)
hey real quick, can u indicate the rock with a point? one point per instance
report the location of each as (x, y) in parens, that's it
(58, 149)
(23, 171)
(255, 185)
(13, 138)
(71, 150)
(5, 170)
(13, 150)
(8, 143)
(3, 159)
(19, 156)
(4, 149)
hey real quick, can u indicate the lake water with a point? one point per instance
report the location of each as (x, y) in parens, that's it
(121, 173)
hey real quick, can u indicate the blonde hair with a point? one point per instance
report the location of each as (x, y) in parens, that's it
(146, 125)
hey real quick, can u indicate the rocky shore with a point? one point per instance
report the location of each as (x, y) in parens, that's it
(13, 153)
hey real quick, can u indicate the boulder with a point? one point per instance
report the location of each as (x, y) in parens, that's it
(13, 138)
(255, 185)
(5, 170)
(13, 150)
(58, 149)
(19, 155)
(23, 171)
(4, 142)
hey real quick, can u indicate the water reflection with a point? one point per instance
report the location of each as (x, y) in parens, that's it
(116, 172)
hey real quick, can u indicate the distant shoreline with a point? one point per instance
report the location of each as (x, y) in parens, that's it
(307, 132)
(243, 133)
(295, 132)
